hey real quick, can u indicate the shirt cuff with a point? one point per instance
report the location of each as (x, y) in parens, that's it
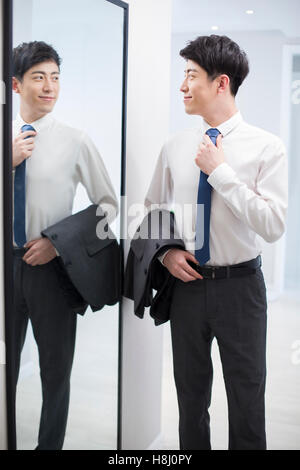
(161, 257)
(221, 175)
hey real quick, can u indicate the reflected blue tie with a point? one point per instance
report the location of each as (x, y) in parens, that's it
(19, 198)
(203, 211)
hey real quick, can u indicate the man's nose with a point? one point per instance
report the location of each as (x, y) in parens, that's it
(184, 86)
(48, 84)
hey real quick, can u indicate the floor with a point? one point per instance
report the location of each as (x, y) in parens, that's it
(90, 417)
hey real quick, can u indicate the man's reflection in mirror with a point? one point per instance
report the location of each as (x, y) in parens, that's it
(49, 159)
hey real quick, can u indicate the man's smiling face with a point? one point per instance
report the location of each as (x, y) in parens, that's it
(39, 88)
(199, 92)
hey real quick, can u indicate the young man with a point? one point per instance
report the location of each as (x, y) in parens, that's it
(57, 157)
(240, 192)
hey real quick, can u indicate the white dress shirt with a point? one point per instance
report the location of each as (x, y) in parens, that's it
(249, 190)
(62, 157)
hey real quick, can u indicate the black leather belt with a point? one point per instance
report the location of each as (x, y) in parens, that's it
(223, 272)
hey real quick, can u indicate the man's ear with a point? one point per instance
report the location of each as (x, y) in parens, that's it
(16, 85)
(223, 83)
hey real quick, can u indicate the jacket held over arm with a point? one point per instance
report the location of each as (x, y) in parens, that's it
(144, 272)
(88, 266)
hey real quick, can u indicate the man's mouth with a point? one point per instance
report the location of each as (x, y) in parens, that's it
(187, 98)
(47, 98)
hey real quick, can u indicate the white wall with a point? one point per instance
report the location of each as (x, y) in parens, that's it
(147, 129)
(259, 100)
(291, 124)
(3, 437)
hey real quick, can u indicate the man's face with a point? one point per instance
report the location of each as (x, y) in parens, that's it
(199, 92)
(39, 88)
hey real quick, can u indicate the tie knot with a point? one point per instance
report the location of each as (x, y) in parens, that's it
(27, 127)
(212, 132)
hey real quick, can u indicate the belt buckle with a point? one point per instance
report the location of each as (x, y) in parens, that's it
(209, 272)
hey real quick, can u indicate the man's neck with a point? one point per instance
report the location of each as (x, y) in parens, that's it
(220, 116)
(30, 117)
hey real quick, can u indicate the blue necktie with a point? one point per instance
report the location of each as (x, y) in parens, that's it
(203, 211)
(19, 198)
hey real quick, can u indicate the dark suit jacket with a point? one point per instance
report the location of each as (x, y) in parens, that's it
(144, 272)
(88, 267)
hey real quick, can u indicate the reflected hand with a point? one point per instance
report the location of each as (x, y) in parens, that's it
(22, 147)
(176, 263)
(41, 251)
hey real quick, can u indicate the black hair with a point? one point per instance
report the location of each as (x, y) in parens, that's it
(218, 55)
(28, 54)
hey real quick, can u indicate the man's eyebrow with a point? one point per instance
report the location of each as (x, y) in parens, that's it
(44, 73)
(191, 70)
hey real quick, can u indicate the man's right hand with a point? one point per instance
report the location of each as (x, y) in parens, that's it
(22, 147)
(176, 262)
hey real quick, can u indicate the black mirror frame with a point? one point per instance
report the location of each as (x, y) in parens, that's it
(7, 208)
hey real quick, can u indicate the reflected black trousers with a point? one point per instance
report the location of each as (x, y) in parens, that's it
(234, 311)
(38, 297)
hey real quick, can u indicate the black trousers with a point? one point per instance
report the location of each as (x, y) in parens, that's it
(234, 312)
(38, 297)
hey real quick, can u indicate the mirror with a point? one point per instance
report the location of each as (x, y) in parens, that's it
(89, 37)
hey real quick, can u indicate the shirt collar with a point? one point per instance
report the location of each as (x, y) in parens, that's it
(38, 125)
(226, 126)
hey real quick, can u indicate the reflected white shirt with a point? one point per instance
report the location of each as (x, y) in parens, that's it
(62, 157)
(249, 190)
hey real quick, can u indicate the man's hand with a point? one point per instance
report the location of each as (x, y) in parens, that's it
(41, 251)
(22, 147)
(176, 262)
(210, 156)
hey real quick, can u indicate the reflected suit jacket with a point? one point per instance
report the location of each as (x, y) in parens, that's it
(88, 267)
(144, 272)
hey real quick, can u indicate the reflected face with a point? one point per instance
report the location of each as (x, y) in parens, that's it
(39, 88)
(199, 92)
